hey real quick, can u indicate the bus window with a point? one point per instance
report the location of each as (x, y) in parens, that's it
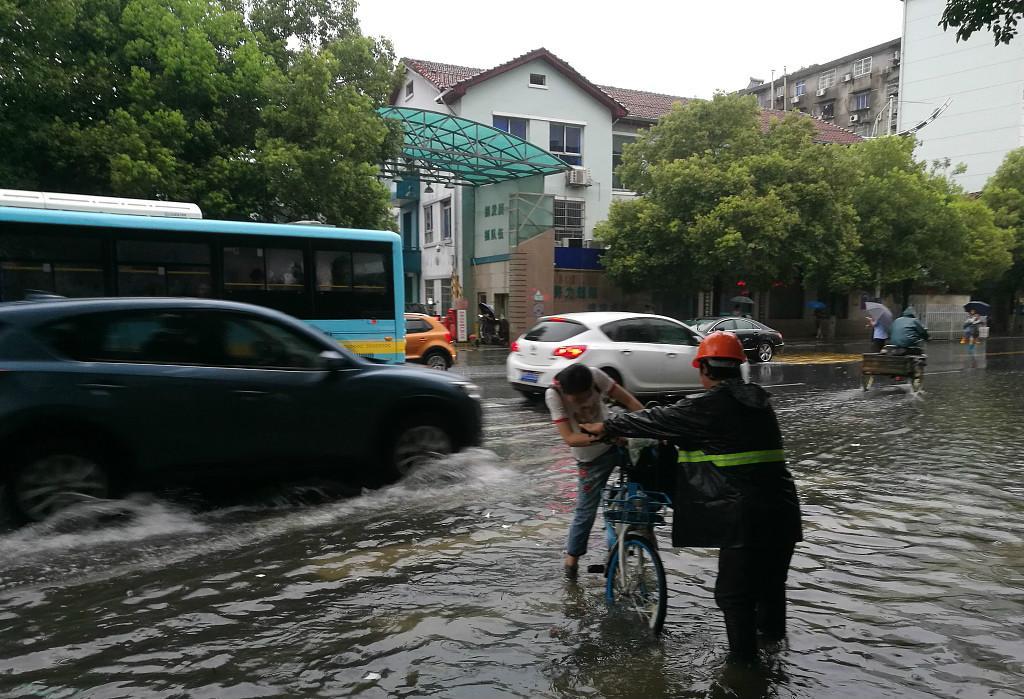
(263, 269)
(65, 265)
(271, 277)
(163, 268)
(354, 284)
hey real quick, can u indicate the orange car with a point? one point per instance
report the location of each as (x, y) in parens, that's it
(428, 342)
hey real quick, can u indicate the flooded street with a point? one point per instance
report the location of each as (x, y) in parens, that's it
(910, 581)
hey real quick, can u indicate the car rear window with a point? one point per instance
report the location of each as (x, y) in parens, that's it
(554, 330)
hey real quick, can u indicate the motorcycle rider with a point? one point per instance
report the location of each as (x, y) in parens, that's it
(733, 492)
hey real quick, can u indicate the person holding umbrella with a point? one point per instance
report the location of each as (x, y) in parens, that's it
(741, 306)
(972, 326)
(880, 319)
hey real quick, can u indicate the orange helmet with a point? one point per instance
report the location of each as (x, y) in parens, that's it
(720, 345)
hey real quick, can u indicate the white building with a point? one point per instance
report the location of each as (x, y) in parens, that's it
(983, 83)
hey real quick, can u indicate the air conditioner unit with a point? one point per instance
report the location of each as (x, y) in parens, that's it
(578, 177)
(796, 99)
(847, 77)
(820, 93)
(854, 118)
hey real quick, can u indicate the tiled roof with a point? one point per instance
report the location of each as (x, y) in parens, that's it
(645, 106)
(827, 132)
(648, 106)
(441, 75)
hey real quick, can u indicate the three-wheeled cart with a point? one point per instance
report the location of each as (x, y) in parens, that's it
(898, 366)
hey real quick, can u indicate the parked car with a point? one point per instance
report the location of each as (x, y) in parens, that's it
(428, 342)
(760, 342)
(101, 395)
(648, 354)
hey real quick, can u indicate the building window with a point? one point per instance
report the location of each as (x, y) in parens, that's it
(826, 79)
(569, 216)
(538, 80)
(566, 142)
(516, 127)
(446, 295)
(428, 224)
(862, 100)
(408, 89)
(862, 67)
(446, 219)
(828, 110)
(618, 141)
(800, 89)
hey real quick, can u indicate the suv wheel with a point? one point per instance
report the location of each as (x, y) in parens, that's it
(51, 478)
(437, 359)
(419, 439)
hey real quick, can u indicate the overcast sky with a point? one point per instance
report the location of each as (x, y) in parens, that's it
(676, 47)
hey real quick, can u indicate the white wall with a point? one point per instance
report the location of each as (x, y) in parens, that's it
(986, 84)
(510, 94)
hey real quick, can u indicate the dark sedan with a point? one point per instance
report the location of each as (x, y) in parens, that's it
(99, 395)
(760, 342)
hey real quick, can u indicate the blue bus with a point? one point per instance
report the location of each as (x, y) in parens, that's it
(345, 282)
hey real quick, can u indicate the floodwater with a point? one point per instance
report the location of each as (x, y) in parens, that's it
(910, 582)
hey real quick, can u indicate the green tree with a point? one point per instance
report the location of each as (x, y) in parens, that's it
(722, 196)
(1004, 194)
(255, 110)
(969, 16)
(915, 225)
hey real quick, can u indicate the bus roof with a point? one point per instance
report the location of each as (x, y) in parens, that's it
(163, 223)
(26, 199)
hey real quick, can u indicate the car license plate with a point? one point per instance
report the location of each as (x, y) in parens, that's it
(529, 376)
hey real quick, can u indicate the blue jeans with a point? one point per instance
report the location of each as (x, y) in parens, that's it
(593, 475)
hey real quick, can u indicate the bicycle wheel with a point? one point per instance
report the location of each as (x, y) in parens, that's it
(640, 586)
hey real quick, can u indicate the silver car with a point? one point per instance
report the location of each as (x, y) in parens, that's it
(647, 354)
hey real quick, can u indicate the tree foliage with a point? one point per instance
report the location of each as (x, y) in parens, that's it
(724, 196)
(1004, 194)
(253, 109)
(969, 16)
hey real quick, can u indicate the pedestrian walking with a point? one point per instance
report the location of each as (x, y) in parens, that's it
(734, 492)
(577, 396)
(972, 327)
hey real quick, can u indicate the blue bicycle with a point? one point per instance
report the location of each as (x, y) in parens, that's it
(634, 571)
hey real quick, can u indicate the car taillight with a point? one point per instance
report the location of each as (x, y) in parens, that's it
(514, 347)
(570, 351)
(448, 336)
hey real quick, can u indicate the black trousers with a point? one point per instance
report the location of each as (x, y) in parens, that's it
(751, 592)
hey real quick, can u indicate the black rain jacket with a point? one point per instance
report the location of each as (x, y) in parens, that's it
(732, 487)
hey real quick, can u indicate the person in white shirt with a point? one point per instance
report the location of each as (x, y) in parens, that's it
(576, 397)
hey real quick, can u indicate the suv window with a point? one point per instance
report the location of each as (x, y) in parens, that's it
(669, 333)
(252, 342)
(416, 325)
(554, 330)
(159, 336)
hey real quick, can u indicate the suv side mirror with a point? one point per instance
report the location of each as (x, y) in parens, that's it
(333, 361)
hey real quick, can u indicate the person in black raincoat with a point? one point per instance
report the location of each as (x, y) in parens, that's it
(733, 490)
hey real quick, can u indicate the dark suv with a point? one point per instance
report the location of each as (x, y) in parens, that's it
(98, 395)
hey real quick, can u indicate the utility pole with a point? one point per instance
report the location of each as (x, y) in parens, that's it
(771, 96)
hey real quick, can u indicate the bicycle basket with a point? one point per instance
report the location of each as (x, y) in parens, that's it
(634, 505)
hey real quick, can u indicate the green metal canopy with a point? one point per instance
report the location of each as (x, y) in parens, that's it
(451, 150)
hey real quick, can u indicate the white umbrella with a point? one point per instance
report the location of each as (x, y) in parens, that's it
(879, 313)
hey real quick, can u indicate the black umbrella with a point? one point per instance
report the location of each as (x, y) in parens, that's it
(742, 299)
(981, 307)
